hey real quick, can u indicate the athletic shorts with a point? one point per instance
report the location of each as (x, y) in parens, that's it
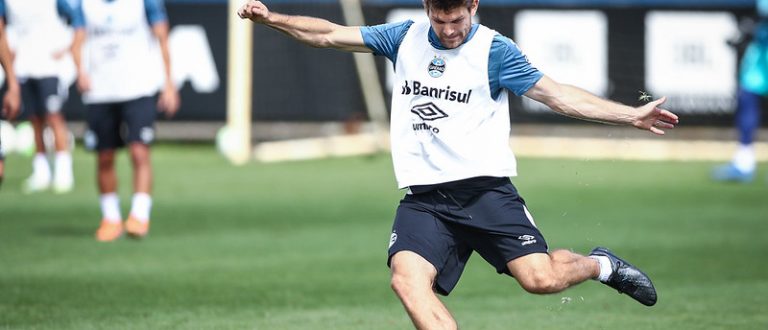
(41, 96)
(113, 125)
(445, 223)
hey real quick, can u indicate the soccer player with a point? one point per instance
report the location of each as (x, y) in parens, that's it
(12, 97)
(118, 83)
(753, 85)
(41, 39)
(449, 135)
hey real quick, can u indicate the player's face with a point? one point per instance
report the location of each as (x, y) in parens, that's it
(453, 25)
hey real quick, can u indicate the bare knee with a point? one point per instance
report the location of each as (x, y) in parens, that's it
(106, 160)
(139, 154)
(401, 284)
(541, 283)
(411, 274)
(408, 283)
(537, 273)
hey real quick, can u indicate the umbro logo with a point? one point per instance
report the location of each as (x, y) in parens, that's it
(428, 111)
(527, 239)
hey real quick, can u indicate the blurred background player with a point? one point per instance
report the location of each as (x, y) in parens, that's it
(11, 99)
(119, 76)
(753, 85)
(40, 39)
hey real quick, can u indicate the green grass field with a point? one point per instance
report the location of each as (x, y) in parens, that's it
(303, 246)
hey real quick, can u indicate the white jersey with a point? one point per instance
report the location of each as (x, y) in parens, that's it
(445, 125)
(121, 54)
(39, 38)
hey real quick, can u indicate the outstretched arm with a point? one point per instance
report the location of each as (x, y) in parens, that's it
(315, 32)
(578, 103)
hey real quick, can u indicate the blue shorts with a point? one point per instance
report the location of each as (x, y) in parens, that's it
(445, 223)
(41, 96)
(112, 125)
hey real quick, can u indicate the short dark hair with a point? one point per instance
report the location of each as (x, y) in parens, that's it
(447, 4)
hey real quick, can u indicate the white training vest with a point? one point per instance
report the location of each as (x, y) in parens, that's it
(120, 54)
(38, 37)
(445, 125)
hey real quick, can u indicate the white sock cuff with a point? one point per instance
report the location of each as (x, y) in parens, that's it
(110, 207)
(745, 159)
(63, 156)
(141, 206)
(40, 164)
(605, 267)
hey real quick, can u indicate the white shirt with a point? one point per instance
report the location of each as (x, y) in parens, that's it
(39, 38)
(445, 125)
(121, 55)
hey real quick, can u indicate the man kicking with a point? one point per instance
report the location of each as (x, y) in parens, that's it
(449, 134)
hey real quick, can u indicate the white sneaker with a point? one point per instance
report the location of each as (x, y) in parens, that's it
(35, 184)
(63, 184)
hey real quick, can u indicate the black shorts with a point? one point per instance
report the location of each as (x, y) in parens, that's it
(41, 96)
(445, 223)
(113, 125)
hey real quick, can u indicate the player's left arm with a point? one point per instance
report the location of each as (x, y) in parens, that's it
(312, 31)
(578, 103)
(169, 99)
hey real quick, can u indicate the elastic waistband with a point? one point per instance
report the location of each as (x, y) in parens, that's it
(480, 182)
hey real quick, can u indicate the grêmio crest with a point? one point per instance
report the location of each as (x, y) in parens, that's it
(436, 67)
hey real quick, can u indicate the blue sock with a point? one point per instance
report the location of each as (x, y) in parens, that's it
(748, 116)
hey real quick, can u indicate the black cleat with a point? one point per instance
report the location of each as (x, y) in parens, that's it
(628, 279)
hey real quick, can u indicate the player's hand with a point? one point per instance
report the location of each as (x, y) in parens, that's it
(255, 11)
(11, 102)
(655, 119)
(83, 82)
(169, 101)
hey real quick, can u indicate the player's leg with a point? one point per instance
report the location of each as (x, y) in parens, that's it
(742, 166)
(2, 159)
(747, 123)
(111, 227)
(413, 281)
(543, 273)
(425, 259)
(63, 179)
(103, 136)
(2, 167)
(139, 115)
(41, 176)
(552, 272)
(507, 238)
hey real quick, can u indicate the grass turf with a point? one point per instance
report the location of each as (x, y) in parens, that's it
(302, 246)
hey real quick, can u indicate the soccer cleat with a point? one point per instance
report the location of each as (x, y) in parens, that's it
(628, 279)
(136, 228)
(729, 173)
(35, 184)
(109, 231)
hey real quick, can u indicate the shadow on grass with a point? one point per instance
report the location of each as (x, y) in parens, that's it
(65, 231)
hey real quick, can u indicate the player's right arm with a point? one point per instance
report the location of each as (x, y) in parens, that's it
(12, 97)
(315, 32)
(73, 11)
